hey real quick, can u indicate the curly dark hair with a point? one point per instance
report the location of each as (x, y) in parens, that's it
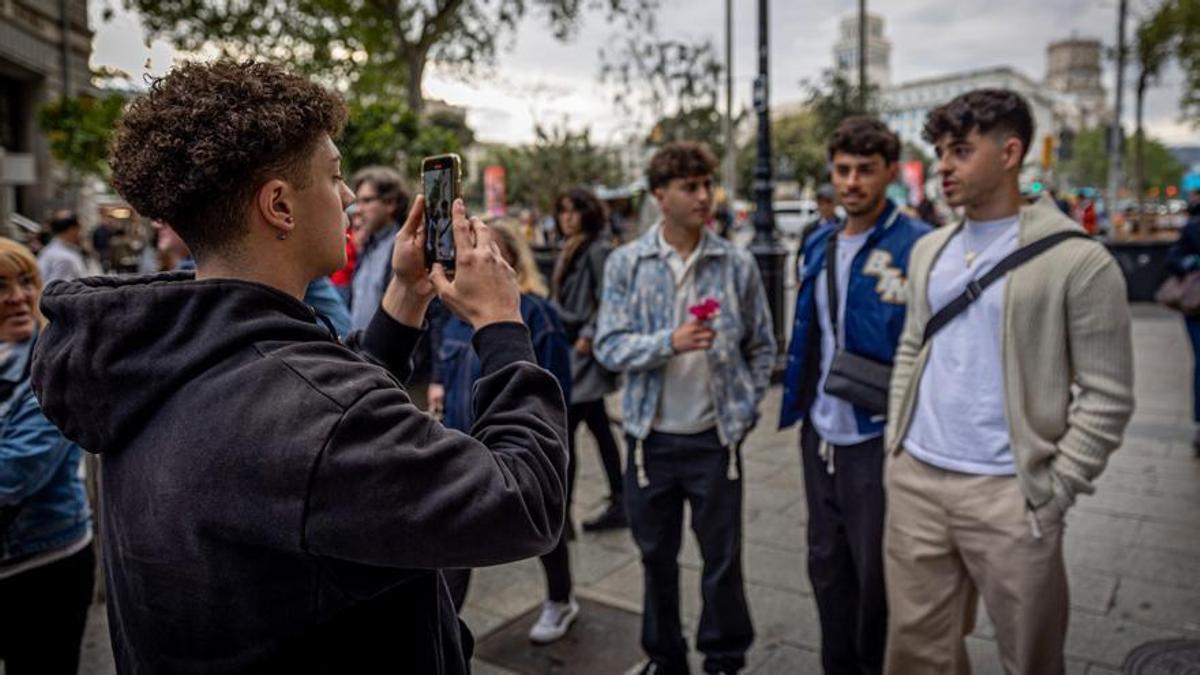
(681, 159)
(193, 151)
(987, 110)
(864, 136)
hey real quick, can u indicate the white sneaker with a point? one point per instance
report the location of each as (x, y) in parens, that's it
(556, 618)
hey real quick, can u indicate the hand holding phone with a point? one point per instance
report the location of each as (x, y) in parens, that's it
(484, 287)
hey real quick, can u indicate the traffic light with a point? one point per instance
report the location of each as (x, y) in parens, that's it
(1047, 151)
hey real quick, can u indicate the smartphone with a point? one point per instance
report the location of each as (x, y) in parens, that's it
(441, 177)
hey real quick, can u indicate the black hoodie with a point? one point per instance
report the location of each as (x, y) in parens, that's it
(271, 498)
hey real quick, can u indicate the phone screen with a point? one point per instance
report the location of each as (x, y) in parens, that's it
(439, 182)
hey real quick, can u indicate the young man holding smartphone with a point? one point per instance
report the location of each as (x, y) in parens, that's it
(694, 380)
(841, 443)
(1006, 400)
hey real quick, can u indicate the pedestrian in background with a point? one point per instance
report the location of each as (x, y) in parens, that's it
(46, 559)
(274, 502)
(1182, 260)
(851, 302)
(695, 376)
(1006, 401)
(62, 258)
(380, 201)
(577, 285)
(458, 371)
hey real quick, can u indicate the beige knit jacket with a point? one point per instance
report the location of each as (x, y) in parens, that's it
(1067, 352)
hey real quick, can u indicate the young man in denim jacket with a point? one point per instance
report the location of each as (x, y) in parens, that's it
(841, 444)
(693, 385)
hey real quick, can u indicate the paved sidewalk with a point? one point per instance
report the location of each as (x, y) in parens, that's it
(1132, 549)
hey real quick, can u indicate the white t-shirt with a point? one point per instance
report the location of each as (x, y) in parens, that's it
(686, 405)
(832, 417)
(959, 423)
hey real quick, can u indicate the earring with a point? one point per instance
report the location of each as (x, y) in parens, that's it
(281, 236)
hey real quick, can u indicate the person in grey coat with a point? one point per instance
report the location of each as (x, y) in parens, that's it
(578, 277)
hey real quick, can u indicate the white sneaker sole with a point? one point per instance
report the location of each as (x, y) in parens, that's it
(567, 622)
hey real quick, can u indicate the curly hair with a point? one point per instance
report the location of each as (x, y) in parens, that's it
(681, 159)
(864, 136)
(193, 151)
(988, 110)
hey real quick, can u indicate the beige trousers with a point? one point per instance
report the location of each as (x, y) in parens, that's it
(950, 537)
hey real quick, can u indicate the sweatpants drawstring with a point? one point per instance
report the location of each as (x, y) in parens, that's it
(639, 458)
(825, 451)
(733, 473)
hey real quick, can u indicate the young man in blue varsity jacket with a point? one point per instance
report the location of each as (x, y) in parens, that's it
(841, 443)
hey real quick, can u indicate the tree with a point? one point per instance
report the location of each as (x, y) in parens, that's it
(1088, 166)
(556, 161)
(834, 98)
(1154, 41)
(796, 146)
(1185, 17)
(675, 83)
(387, 132)
(80, 131)
(372, 47)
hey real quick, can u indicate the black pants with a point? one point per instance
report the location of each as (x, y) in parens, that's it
(43, 612)
(845, 552)
(694, 469)
(594, 415)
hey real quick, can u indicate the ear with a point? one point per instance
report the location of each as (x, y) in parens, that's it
(1012, 151)
(658, 194)
(892, 169)
(274, 204)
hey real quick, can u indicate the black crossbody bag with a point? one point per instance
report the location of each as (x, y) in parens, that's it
(863, 381)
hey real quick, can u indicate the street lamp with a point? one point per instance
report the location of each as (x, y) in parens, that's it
(765, 247)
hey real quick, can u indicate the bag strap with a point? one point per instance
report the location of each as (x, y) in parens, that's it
(831, 273)
(976, 287)
(831, 289)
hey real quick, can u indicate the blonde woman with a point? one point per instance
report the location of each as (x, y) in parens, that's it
(459, 368)
(46, 559)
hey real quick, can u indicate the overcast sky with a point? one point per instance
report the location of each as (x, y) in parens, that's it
(543, 80)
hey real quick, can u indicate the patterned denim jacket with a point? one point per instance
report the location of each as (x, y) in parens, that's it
(637, 317)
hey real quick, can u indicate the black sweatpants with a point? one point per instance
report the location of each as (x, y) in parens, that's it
(690, 468)
(845, 552)
(43, 612)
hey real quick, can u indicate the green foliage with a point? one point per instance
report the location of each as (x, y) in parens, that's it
(1088, 166)
(834, 98)
(370, 47)
(704, 124)
(80, 130)
(1182, 18)
(796, 147)
(557, 161)
(388, 133)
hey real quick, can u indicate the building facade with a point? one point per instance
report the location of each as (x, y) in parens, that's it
(879, 51)
(906, 105)
(1073, 72)
(45, 46)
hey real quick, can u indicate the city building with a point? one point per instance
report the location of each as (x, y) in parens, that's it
(45, 46)
(1073, 72)
(906, 105)
(879, 51)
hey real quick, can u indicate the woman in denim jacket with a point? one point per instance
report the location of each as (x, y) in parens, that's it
(46, 559)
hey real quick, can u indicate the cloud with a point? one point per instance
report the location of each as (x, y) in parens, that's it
(543, 80)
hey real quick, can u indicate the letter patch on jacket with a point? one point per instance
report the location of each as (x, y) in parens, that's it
(891, 280)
